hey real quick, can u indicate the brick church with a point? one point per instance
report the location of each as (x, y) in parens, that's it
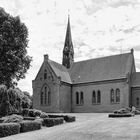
(95, 85)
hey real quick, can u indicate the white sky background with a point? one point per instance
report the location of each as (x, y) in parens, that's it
(99, 28)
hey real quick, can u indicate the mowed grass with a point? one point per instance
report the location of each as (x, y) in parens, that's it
(88, 126)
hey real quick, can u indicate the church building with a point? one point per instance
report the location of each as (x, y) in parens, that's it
(95, 85)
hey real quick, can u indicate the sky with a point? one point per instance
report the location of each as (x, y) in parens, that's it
(99, 28)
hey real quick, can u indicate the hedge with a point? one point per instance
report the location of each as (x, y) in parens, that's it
(69, 118)
(7, 129)
(49, 122)
(30, 126)
(120, 115)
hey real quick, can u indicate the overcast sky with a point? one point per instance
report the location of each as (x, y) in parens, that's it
(99, 28)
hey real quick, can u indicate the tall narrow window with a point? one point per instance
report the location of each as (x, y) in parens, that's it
(77, 98)
(98, 96)
(45, 95)
(49, 98)
(137, 101)
(41, 98)
(45, 74)
(112, 100)
(82, 98)
(93, 97)
(117, 95)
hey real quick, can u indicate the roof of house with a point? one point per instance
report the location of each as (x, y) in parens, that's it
(99, 69)
(135, 79)
(60, 71)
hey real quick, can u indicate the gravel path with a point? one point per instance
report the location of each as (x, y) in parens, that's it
(88, 126)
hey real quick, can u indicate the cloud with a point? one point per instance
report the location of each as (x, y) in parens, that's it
(99, 28)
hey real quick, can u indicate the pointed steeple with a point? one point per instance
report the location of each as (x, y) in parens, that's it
(68, 51)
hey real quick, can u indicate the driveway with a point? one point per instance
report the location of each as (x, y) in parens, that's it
(88, 126)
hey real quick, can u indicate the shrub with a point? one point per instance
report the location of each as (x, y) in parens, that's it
(29, 126)
(34, 112)
(120, 115)
(49, 122)
(12, 118)
(69, 118)
(25, 112)
(7, 129)
(122, 111)
(44, 115)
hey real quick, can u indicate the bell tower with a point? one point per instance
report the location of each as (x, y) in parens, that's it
(68, 51)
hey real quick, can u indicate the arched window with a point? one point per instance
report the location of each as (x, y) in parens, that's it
(112, 99)
(41, 98)
(98, 96)
(93, 97)
(77, 98)
(117, 95)
(137, 101)
(45, 97)
(45, 74)
(82, 98)
(49, 98)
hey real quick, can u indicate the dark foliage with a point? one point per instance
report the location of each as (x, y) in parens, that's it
(66, 117)
(120, 115)
(12, 119)
(49, 122)
(7, 129)
(30, 126)
(14, 61)
(12, 100)
(69, 118)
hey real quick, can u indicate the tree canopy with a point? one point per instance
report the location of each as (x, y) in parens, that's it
(14, 61)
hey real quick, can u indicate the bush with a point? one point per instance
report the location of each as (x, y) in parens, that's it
(34, 113)
(120, 115)
(49, 122)
(7, 129)
(30, 126)
(69, 118)
(66, 117)
(122, 111)
(44, 115)
(25, 112)
(12, 118)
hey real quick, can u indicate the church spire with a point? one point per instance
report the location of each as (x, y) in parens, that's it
(68, 51)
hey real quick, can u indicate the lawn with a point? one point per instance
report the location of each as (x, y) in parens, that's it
(88, 126)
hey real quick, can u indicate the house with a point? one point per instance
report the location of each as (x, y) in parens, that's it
(95, 85)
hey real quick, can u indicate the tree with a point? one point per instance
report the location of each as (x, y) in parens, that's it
(14, 61)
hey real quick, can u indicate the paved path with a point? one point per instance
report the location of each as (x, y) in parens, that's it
(88, 126)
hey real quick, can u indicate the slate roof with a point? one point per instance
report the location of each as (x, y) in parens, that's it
(99, 69)
(61, 71)
(135, 79)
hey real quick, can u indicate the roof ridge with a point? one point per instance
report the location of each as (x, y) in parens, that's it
(102, 57)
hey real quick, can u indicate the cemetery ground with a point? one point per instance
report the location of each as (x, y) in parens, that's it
(88, 126)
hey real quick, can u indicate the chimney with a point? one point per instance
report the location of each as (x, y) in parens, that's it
(132, 50)
(46, 57)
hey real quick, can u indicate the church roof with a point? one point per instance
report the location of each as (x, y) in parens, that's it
(60, 71)
(93, 70)
(135, 79)
(100, 69)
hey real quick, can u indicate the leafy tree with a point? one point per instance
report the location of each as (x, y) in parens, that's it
(14, 61)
